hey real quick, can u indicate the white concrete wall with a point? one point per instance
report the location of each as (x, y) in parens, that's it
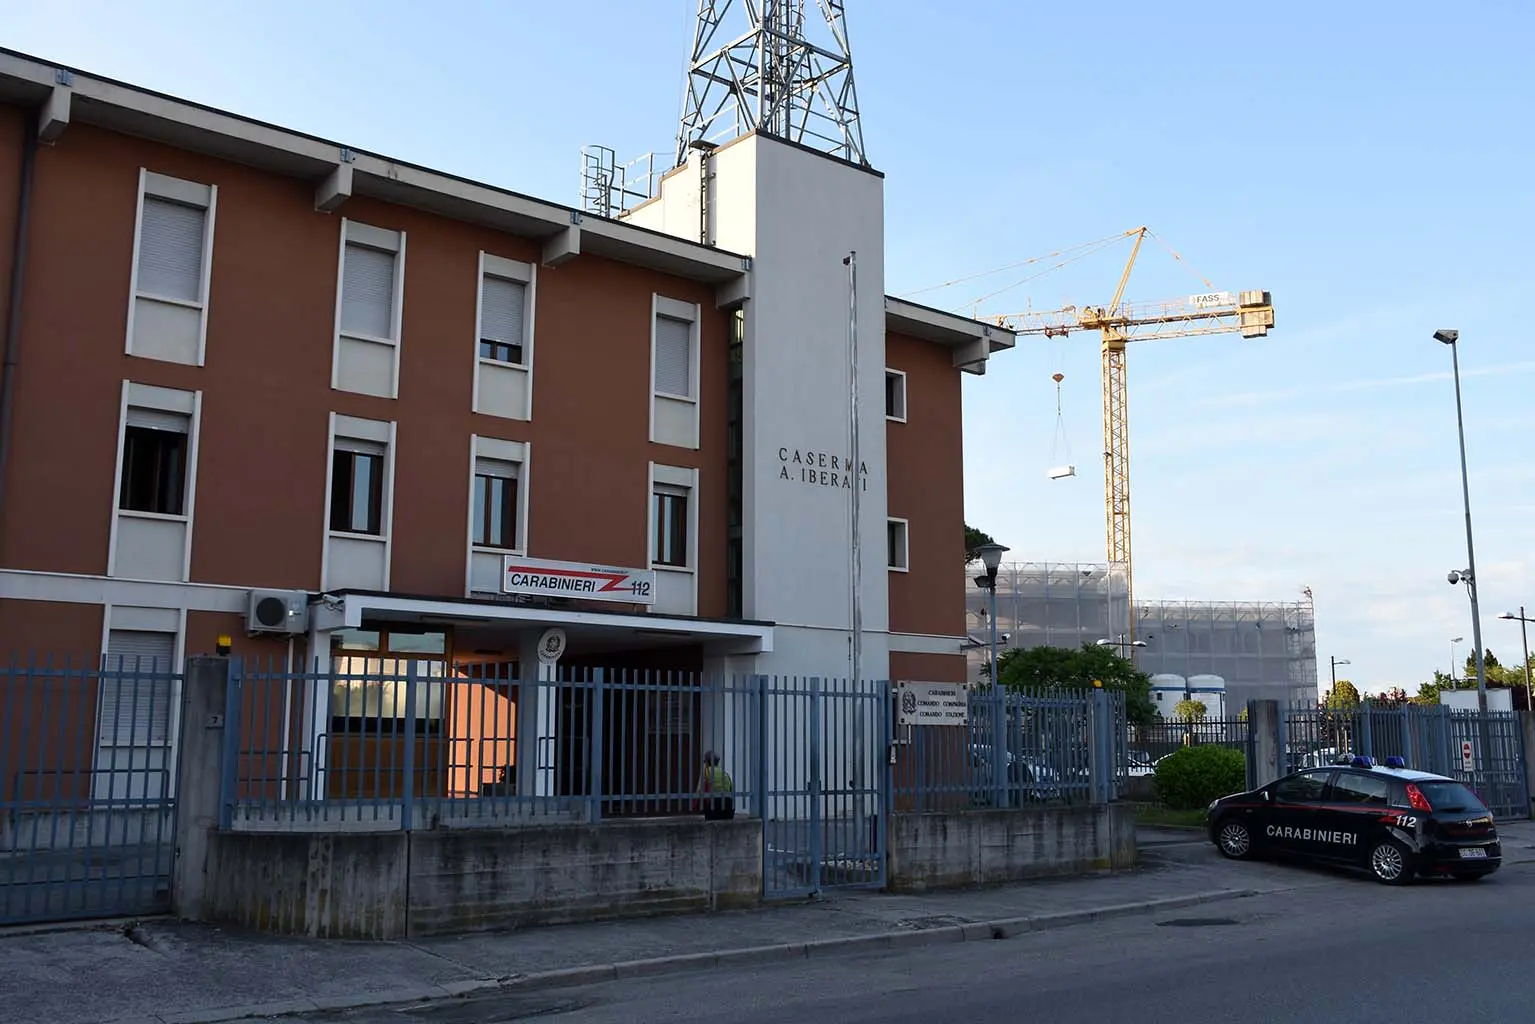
(798, 214)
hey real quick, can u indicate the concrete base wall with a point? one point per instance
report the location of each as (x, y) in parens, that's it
(936, 851)
(387, 885)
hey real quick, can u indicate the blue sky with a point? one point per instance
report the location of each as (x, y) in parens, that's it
(1368, 163)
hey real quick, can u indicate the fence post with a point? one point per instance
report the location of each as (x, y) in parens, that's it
(206, 748)
(761, 686)
(1100, 762)
(595, 785)
(1266, 740)
(999, 749)
(1366, 730)
(1526, 745)
(408, 804)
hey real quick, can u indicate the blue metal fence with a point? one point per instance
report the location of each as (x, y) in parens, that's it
(1486, 752)
(1015, 749)
(420, 746)
(87, 788)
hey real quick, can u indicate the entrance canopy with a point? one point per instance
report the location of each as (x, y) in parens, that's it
(587, 630)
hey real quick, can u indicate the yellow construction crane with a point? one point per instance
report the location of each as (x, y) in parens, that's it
(1250, 313)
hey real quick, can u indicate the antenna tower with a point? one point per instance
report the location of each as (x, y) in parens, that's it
(756, 68)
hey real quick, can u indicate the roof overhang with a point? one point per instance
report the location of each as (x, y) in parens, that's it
(347, 609)
(971, 341)
(65, 95)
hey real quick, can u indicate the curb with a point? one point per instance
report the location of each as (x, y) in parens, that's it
(999, 928)
(975, 931)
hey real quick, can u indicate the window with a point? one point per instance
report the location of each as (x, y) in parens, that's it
(367, 292)
(674, 372)
(895, 395)
(357, 488)
(494, 504)
(371, 278)
(896, 533)
(154, 475)
(669, 545)
(136, 688)
(170, 262)
(373, 695)
(167, 311)
(502, 306)
(674, 357)
(1371, 790)
(1301, 789)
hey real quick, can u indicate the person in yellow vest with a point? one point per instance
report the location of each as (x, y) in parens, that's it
(720, 805)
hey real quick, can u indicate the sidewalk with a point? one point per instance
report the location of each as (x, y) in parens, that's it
(163, 972)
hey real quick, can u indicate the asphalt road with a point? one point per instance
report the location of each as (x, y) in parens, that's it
(1334, 948)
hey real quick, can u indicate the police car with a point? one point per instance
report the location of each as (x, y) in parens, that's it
(1396, 822)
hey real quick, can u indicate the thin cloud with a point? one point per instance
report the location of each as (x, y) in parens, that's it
(1251, 398)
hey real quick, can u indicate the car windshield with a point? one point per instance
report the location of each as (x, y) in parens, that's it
(1452, 797)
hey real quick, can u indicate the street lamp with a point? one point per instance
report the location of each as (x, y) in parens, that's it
(1124, 643)
(1524, 635)
(991, 557)
(1453, 641)
(1335, 663)
(1450, 338)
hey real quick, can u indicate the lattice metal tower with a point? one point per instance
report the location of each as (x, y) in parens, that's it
(755, 67)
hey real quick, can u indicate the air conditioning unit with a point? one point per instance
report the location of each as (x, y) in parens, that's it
(283, 612)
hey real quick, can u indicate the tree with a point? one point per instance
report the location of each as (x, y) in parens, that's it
(1344, 696)
(974, 539)
(1395, 697)
(1042, 668)
(1189, 711)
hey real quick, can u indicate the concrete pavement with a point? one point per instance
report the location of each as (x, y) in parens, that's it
(161, 972)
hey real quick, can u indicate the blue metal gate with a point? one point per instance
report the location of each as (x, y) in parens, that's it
(1486, 752)
(88, 760)
(824, 772)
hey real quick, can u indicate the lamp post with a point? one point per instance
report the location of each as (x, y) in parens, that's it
(1453, 641)
(991, 558)
(1335, 663)
(1451, 338)
(1524, 635)
(1124, 643)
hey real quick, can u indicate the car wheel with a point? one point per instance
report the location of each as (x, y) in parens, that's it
(1390, 863)
(1233, 840)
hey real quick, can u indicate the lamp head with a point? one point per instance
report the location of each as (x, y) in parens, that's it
(991, 556)
(1453, 577)
(1447, 336)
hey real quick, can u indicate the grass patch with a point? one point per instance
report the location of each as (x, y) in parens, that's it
(1152, 814)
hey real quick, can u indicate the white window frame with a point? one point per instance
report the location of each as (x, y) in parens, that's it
(168, 400)
(141, 619)
(356, 232)
(692, 313)
(905, 526)
(519, 452)
(163, 186)
(665, 479)
(373, 432)
(492, 265)
(905, 407)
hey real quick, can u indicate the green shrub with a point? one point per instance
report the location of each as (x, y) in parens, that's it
(1190, 778)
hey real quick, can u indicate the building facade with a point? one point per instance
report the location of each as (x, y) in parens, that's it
(423, 417)
(1222, 653)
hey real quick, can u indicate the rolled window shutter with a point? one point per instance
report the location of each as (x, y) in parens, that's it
(502, 303)
(156, 419)
(136, 687)
(367, 292)
(171, 250)
(674, 350)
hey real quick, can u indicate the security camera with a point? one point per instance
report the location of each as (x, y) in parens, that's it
(1447, 336)
(1453, 577)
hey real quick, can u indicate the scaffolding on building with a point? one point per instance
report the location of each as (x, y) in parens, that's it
(1261, 650)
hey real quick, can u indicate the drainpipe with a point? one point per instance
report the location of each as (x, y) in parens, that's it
(13, 312)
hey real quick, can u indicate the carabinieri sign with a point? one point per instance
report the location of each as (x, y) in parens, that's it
(539, 577)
